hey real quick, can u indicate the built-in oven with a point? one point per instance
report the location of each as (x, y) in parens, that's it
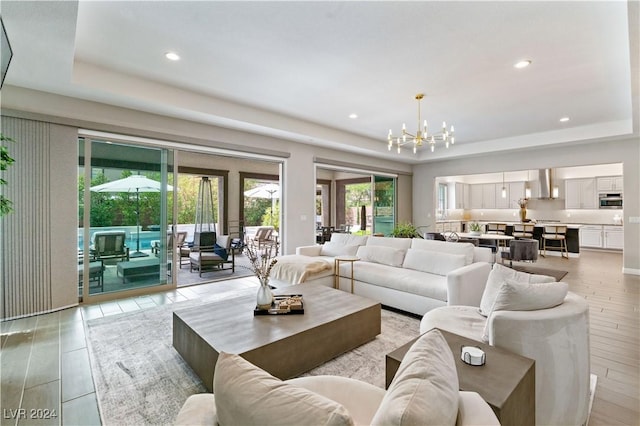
(610, 200)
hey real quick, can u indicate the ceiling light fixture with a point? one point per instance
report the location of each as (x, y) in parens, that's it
(504, 189)
(172, 56)
(564, 119)
(353, 116)
(522, 64)
(422, 135)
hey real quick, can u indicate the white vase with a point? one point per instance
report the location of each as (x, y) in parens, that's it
(264, 298)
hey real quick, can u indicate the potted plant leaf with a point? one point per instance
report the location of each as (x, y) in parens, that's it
(475, 228)
(405, 230)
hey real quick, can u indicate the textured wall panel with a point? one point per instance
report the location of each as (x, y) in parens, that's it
(25, 267)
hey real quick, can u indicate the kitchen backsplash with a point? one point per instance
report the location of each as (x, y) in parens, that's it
(541, 210)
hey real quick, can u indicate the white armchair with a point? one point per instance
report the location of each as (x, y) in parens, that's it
(424, 391)
(557, 338)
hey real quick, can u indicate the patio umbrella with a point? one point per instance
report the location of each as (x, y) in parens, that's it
(137, 184)
(269, 190)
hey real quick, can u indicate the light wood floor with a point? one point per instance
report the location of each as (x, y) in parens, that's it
(45, 362)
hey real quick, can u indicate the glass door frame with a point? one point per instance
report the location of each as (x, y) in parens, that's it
(88, 140)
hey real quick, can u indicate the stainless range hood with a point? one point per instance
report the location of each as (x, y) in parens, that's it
(545, 177)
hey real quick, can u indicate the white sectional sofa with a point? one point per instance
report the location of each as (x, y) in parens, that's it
(410, 274)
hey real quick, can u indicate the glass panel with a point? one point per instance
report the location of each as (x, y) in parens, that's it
(441, 211)
(357, 198)
(262, 203)
(127, 216)
(384, 202)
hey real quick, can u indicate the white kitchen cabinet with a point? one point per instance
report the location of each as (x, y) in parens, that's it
(461, 196)
(483, 195)
(591, 236)
(609, 184)
(489, 196)
(613, 237)
(580, 193)
(475, 196)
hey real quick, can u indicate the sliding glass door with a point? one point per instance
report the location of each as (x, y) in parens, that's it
(126, 204)
(384, 204)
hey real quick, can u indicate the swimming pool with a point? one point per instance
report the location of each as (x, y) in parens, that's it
(145, 237)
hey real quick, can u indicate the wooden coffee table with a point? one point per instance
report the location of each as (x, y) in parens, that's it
(506, 381)
(286, 346)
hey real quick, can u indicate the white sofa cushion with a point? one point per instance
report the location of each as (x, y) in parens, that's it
(445, 247)
(425, 388)
(381, 254)
(348, 239)
(334, 248)
(398, 243)
(433, 262)
(248, 395)
(400, 279)
(498, 275)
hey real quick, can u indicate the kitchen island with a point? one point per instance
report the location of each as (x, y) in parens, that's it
(573, 235)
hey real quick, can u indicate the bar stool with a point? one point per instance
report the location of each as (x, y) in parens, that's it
(555, 233)
(523, 230)
(500, 229)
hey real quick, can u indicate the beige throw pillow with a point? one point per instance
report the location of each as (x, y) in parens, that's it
(247, 395)
(519, 296)
(498, 275)
(522, 296)
(425, 388)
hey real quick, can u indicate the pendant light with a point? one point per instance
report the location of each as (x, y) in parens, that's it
(504, 190)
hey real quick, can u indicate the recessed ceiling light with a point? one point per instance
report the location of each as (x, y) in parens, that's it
(522, 64)
(172, 56)
(353, 116)
(564, 119)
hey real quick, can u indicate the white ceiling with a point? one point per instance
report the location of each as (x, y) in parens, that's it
(298, 69)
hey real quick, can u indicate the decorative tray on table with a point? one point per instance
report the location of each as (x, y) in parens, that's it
(287, 304)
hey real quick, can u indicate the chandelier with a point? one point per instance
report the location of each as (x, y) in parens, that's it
(422, 136)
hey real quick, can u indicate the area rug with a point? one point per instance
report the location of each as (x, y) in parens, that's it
(556, 273)
(141, 379)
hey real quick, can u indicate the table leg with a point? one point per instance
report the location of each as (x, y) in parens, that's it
(352, 276)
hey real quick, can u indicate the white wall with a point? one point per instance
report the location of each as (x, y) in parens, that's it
(624, 150)
(299, 159)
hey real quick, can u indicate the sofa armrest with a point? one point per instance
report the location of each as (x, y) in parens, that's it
(482, 254)
(473, 410)
(465, 285)
(309, 250)
(199, 409)
(359, 398)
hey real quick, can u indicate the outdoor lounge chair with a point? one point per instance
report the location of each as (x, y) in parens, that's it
(109, 245)
(214, 257)
(181, 236)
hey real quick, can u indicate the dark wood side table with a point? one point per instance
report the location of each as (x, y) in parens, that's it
(506, 381)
